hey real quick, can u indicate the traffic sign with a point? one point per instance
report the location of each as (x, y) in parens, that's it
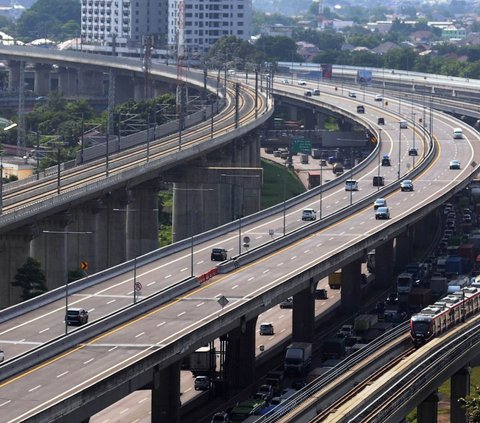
(302, 145)
(223, 301)
(138, 286)
(84, 265)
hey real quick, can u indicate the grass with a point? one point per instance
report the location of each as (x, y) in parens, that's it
(272, 189)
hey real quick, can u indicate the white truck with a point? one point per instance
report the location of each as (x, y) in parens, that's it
(298, 357)
(203, 361)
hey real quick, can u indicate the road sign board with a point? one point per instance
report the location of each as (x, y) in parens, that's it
(84, 265)
(223, 301)
(301, 145)
(138, 286)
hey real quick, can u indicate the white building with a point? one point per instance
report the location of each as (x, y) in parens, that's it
(208, 20)
(128, 20)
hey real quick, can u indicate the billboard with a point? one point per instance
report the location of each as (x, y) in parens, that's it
(364, 76)
(326, 71)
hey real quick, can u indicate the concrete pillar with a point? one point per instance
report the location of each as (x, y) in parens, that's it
(123, 89)
(166, 395)
(292, 112)
(80, 241)
(427, 411)
(303, 316)
(111, 245)
(403, 249)
(142, 220)
(50, 248)
(138, 89)
(42, 79)
(320, 122)
(67, 81)
(90, 82)
(13, 76)
(384, 264)
(240, 355)
(460, 388)
(14, 250)
(310, 118)
(351, 287)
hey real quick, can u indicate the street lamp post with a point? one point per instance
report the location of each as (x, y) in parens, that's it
(379, 146)
(65, 234)
(399, 148)
(413, 143)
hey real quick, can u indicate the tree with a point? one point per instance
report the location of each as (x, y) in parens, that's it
(31, 278)
(472, 405)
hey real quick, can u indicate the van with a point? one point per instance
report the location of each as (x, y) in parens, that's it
(457, 134)
(360, 109)
(351, 185)
(403, 124)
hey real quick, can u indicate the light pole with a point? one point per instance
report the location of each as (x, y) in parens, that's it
(399, 148)
(65, 241)
(379, 146)
(413, 143)
(135, 248)
(321, 189)
(225, 175)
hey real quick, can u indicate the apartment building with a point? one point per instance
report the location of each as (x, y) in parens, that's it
(126, 20)
(208, 20)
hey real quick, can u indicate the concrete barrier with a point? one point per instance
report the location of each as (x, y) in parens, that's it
(84, 333)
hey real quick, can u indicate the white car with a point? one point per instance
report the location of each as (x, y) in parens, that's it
(352, 94)
(406, 185)
(309, 214)
(302, 82)
(378, 97)
(351, 185)
(285, 81)
(379, 202)
(454, 164)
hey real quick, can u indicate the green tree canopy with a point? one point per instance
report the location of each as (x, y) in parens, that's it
(31, 279)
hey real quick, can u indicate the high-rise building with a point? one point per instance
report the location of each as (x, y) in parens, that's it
(128, 21)
(206, 21)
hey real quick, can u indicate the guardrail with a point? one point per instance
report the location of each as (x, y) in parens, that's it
(82, 334)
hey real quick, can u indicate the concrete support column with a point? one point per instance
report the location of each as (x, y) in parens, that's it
(166, 395)
(384, 265)
(460, 388)
(320, 122)
(427, 411)
(310, 118)
(240, 355)
(14, 250)
(403, 249)
(303, 316)
(139, 89)
(13, 75)
(351, 289)
(111, 245)
(50, 248)
(142, 220)
(42, 79)
(67, 81)
(90, 82)
(80, 244)
(124, 91)
(292, 112)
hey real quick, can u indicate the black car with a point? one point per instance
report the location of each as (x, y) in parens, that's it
(321, 294)
(218, 254)
(288, 303)
(76, 316)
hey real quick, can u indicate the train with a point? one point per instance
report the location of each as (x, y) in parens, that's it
(447, 312)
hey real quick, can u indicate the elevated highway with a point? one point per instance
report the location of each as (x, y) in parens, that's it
(292, 265)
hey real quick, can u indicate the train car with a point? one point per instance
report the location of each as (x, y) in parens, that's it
(444, 314)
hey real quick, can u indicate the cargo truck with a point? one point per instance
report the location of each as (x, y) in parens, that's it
(420, 298)
(333, 348)
(203, 361)
(363, 322)
(337, 169)
(335, 280)
(454, 265)
(438, 285)
(298, 357)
